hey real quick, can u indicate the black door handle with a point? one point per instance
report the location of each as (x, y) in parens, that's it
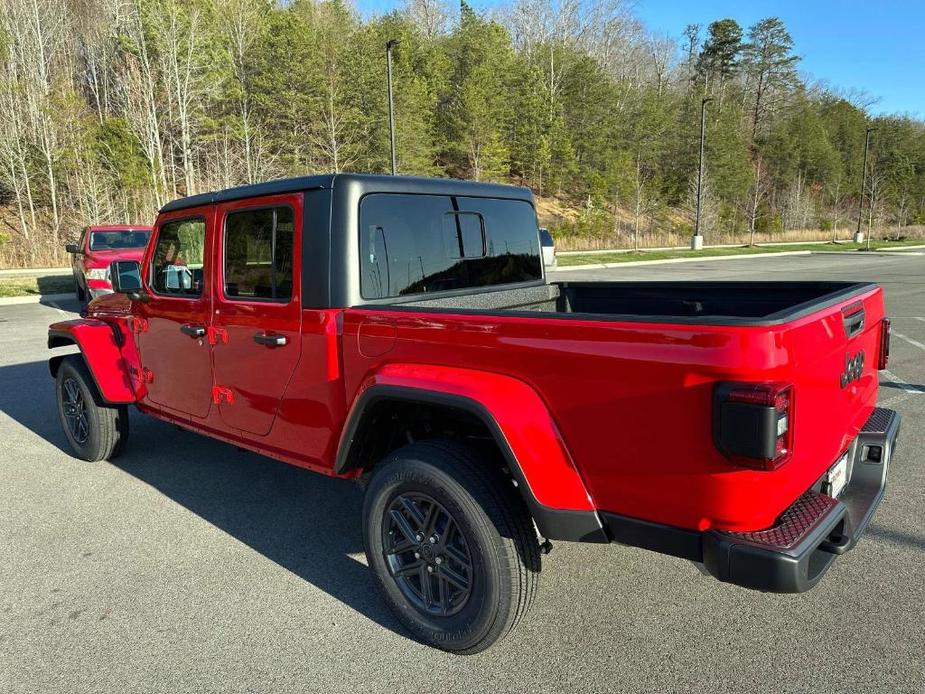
(270, 340)
(193, 330)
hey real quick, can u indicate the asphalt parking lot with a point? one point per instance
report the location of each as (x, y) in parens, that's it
(188, 566)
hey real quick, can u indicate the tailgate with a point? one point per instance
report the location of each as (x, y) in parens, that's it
(833, 355)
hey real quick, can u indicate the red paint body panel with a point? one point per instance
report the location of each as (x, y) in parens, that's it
(115, 369)
(518, 410)
(181, 366)
(600, 414)
(257, 374)
(633, 401)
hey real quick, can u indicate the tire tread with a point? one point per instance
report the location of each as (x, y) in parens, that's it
(111, 422)
(492, 501)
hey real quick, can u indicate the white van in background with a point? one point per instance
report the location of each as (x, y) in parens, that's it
(549, 249)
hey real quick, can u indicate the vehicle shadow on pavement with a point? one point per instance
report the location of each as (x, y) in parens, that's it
(69, 304)
(305, 522)
(27, 394)
(902, 386)
(897, 537)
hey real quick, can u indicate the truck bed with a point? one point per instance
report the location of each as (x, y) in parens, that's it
(685, 302)
(719, 303)
(629, 369)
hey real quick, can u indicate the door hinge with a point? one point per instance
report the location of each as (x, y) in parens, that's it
(217, 335)
(220, 393)
(138, 325)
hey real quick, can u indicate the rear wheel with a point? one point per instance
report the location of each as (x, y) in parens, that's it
(452, 547)
(95, 430)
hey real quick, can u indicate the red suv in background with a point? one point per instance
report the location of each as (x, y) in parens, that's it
(97, 248)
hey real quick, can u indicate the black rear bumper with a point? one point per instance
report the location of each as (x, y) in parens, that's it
(792, 556)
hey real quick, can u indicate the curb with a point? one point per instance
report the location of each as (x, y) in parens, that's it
(665, 261)
(770, 244)
(893, 249)
(882, 251)
(773, 244)
(33, 299)
(36, 272)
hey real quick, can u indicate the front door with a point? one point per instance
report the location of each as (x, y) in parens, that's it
(256, 323)
(173, 340)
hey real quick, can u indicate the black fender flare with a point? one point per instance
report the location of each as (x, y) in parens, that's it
(552, 523)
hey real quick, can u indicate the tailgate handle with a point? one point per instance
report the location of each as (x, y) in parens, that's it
(853, 318)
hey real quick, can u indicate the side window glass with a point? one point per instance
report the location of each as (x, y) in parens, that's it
(415, 244)
(258, 254)
(177, 262)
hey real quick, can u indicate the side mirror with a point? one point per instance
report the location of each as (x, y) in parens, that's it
(71, 248)
(125, 276)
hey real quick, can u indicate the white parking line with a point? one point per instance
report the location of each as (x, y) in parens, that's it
(914, 343)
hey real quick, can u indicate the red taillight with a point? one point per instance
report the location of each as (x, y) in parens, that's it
(884, 356)
(753, 423)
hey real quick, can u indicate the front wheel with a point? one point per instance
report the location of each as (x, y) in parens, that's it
(95, 430)
(452, 547)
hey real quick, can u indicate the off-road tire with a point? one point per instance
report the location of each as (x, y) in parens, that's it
(492, 519)
(106, 426)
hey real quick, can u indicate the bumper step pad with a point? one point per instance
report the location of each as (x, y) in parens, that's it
(793, 525)
(879, 422)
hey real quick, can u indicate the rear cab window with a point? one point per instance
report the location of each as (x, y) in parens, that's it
(418, 244)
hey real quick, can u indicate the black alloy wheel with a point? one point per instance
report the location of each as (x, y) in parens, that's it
(75, 411)
(427, 554)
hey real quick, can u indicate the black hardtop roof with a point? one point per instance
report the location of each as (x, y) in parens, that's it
(369, 183)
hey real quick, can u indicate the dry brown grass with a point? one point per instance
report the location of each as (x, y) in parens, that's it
(574, 242)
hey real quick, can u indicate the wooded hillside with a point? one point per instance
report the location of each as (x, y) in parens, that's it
(109, 108)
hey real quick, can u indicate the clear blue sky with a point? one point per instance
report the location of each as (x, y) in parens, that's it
(877, 47)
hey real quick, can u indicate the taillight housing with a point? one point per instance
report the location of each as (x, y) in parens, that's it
(753, 423)
(883, 358)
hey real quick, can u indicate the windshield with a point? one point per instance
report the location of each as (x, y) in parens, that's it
(114, 240)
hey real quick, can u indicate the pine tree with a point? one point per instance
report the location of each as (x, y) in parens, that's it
(771, 67)
(719, 59)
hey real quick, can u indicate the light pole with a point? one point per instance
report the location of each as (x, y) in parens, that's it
(858, 234)
(697, 239)
(390, 44)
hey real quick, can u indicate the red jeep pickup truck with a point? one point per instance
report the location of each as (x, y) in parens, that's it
(401, 331)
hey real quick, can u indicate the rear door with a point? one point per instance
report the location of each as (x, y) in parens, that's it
(172, 343)
(256, 323)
